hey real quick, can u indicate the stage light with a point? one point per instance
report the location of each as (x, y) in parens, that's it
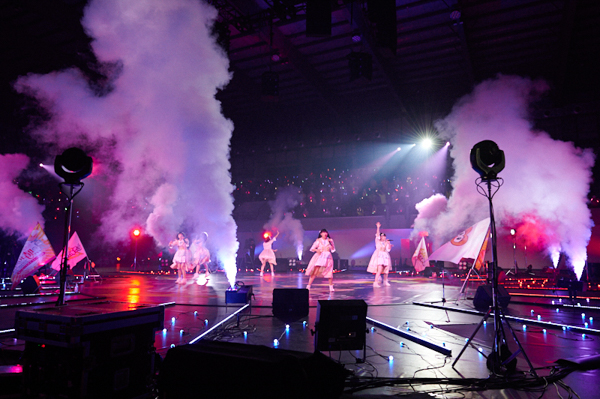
(41, 165)
(73, 165)
(390, 358)
(512, 233)
(427, 143)
(398, 149)
(137, 232)
(487, 159)
(447, 144)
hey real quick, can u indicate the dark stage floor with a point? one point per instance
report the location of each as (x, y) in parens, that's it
(193, 308)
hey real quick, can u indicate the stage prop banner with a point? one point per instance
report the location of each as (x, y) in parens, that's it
(481, 257)
(76, 253)
(36, 252)
(420, 260)
(467, 244)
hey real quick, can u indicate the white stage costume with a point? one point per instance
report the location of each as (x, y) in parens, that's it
(181, 256)
(267, 254)
(381, 256)
(322, 257)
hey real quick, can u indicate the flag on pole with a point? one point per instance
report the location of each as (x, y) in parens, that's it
(76, 253)
(481, 257)
(36, 252)
(420, 260)
(467, 244)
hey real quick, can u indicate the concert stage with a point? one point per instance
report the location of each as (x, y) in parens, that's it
(428, 328)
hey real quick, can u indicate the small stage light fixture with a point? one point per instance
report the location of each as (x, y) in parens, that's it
(427, 142)
(73, 165)
(487, 159)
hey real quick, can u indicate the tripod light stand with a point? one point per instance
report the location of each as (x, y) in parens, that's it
(488, 160)
(72, 165)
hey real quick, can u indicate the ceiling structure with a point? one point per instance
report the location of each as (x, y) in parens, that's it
(438, 50)
(442, 49)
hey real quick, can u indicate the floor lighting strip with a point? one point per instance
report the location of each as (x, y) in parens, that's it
(199, 337)
(415, 338)
(540, 323)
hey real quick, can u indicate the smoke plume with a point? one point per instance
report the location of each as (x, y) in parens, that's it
(19, 212)
(546, 181)
(290, 228)
(157, 132)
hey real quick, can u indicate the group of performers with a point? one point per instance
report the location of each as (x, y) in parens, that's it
(187, 258)
(321, 264)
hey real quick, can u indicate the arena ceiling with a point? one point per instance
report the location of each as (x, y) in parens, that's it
(435, 52)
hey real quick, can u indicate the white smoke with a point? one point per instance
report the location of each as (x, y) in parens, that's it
(546, 181)
(159, 132)
(19, 211)
(290, 228)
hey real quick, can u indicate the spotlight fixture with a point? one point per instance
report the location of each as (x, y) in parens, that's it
(136, 232)
(73, 165)
(427, 142)
(513, 232)
(398, 149)
(41, 165)
(487, 159)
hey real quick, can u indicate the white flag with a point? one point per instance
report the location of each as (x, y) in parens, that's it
(420, 259)
(467, 244)
(76, 253)
(35, 253)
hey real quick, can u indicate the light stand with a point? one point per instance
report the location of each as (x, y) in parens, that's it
(513, 234)
(443, 300)
(136, 236)
(487, 159)
(72, 165)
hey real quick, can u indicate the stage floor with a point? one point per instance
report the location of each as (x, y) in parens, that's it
(193, 308)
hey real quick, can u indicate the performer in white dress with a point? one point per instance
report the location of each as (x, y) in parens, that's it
(321, 263)
(268, 253)
(380, 262)
(181, 256)
(200, 255)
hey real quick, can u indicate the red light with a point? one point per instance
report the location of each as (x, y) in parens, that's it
(137, 232)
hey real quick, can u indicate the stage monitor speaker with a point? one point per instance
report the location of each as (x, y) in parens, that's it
(483, 297)
(318, 18)
(341, 325)
(30, 285)
(290, 304)
(213, 369)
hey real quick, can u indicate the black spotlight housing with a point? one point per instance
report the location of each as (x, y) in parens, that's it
(73, 165)
(487, 159)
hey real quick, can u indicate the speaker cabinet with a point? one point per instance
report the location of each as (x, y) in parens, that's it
(483, 297)
(212, 369)
(31, 285)
(341, 325)
(290, 304)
